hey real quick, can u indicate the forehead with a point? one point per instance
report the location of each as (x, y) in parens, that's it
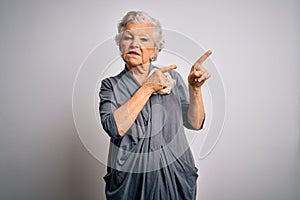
(139, 28)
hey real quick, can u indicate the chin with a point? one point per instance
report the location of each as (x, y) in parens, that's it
(132, 64)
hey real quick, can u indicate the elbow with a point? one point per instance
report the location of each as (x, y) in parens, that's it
(110, 127)
(199, 124)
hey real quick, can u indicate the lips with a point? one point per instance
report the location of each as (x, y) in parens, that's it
(134, 53)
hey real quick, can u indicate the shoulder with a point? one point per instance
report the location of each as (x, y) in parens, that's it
(175, 74)
(112, 80)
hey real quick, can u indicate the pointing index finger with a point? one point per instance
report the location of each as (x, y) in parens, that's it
(203, 57)
(168, 68)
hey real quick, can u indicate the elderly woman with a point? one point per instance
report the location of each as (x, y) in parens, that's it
(144, 109)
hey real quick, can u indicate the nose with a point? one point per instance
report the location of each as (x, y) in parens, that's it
(134, 44)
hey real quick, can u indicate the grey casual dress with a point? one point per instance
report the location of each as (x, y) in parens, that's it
(152, 161)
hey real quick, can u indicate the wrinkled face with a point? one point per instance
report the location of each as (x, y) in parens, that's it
(137, 45)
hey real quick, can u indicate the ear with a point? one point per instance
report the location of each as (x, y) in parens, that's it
(155, 52)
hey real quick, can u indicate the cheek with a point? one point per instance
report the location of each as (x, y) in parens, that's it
(149, 52)
(122, 48)
(124, 45)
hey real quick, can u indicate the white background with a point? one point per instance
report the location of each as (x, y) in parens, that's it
(256, 49)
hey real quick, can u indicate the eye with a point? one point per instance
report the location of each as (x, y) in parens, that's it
(144, 39)
(127, 38)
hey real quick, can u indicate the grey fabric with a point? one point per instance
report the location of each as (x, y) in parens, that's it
(152, 161)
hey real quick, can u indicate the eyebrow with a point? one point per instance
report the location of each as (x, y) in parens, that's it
(139, 34)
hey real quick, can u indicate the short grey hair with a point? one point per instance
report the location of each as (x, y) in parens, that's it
(135, 17)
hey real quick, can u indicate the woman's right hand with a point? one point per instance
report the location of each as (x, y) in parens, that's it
(159, 80)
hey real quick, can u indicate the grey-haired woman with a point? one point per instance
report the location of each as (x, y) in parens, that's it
(144, 109)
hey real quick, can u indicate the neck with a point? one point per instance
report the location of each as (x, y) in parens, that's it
(140, 72)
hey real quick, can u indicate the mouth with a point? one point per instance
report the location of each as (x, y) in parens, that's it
(134, 53)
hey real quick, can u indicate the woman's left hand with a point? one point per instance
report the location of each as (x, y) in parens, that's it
(198, 74)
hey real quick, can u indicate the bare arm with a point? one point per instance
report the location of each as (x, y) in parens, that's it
(197, 77)
(196, 112)
(126, 114)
